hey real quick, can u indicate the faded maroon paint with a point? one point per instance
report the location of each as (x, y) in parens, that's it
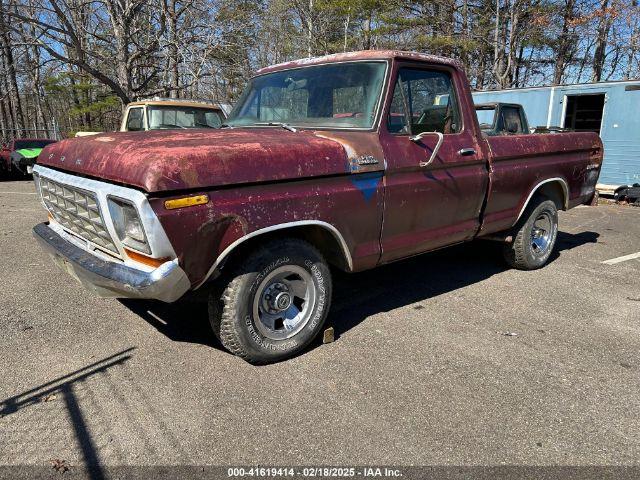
(157, 161)
(390, 208)
(520, 162)
(429, 207)
(200, 234)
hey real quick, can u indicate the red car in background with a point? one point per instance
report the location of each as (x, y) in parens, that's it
(20, 155)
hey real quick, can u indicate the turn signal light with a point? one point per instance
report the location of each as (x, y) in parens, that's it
(138, 257)
(186, 202)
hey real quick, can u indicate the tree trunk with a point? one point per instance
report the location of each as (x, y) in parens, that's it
(346, 29)
(565, 43)
(310, 30)
(599, 56)
(174, 61)
(14, 92)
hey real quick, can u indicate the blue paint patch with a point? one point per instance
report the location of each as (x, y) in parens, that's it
(367, 183)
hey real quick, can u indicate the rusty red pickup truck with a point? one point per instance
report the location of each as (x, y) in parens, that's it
(346, 161)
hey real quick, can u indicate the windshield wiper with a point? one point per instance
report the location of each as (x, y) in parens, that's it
(278, 124)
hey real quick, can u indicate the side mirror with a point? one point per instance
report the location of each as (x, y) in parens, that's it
(420, 136)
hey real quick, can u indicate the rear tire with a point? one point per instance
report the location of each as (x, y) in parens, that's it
(274, 303)
(534, 237)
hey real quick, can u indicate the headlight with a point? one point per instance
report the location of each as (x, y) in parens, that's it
(128, 225)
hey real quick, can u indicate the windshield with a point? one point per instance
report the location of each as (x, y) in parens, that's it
(341, 95)
(485, 117)
(182, 117)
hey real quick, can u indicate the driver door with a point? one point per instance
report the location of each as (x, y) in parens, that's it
(435, 185)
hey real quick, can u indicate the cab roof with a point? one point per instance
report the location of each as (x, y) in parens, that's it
(175, 103)
(362, 55)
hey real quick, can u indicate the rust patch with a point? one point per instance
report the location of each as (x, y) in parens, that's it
(362, 149)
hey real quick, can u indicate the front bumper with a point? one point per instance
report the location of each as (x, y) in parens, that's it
(168, 282)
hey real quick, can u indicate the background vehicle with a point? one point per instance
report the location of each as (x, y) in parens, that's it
(20, 155)
(605, 107)
(317, 153)
(168, 113)
(502, 118)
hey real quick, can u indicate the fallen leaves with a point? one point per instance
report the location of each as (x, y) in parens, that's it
(59, 466)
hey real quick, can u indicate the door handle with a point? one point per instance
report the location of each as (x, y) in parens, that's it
(466, 152)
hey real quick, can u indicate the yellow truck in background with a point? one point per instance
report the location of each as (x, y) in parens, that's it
(169, 113)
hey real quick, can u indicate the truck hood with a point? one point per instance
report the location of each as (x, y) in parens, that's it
(159, 161)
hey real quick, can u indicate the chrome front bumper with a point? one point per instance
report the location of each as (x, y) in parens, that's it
(168, 282)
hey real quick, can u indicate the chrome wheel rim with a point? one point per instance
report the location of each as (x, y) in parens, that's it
(542, 234)
(284, 302)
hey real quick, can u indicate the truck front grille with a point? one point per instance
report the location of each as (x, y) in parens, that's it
(77, 211)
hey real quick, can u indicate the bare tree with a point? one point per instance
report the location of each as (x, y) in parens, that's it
(8, 64)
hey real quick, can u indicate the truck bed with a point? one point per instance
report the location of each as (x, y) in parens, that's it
(520, 163)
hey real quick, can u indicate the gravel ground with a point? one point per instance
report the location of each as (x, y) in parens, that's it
(445, 359)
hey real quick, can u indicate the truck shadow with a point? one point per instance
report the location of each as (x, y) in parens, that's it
(360, 295)
(67, 387)
(183, 321)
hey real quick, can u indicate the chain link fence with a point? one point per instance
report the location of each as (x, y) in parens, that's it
(52, 132)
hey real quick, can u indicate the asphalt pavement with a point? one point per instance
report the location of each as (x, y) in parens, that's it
(449, 358)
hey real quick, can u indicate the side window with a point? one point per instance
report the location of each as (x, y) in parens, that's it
(511, 120)
(397, 119)
(426, 100)
(134, 120)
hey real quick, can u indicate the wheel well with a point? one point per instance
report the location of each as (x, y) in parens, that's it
(553, 190)
(320, 237)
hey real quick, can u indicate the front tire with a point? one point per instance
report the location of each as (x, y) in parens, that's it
(275, 302)
(535, 236)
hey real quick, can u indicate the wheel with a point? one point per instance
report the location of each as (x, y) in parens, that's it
(275, 302)
(534, 237)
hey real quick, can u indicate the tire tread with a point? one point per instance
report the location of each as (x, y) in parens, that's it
(223, 302)
(515, 253)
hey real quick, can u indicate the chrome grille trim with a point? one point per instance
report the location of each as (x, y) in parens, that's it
(101, 191)
(78, 211)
